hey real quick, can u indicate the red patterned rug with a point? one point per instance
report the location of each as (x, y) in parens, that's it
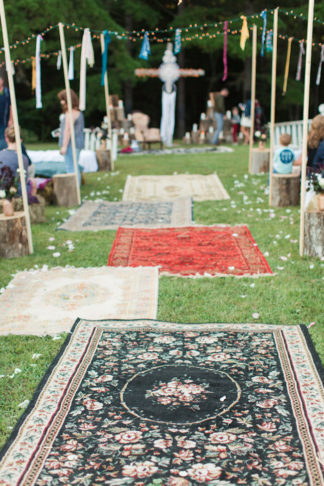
(190, 251)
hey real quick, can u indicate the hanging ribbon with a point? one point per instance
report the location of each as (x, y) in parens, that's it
(38, 88)
(319, 72)
(59, 60)
(33, 74)
(71, 64)
(104, 56)
(284, 91)
(87, 56)
(269, 41)
(264, 16)
(145, 49)
(177, 41)
(225, 50)
(244, 33)
(300, 61)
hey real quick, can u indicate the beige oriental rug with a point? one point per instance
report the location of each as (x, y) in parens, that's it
(159, 188)
(48, 301)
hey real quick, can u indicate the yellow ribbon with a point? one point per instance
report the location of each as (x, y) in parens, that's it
(287, 66)
(244, 33)
(33, 73)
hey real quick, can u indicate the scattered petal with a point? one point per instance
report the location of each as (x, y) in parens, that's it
(36, 356)
(57, 254)
(23, 404)
(255, 315)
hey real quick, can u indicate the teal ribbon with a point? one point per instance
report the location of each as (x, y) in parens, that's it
(104, 56)
(177, 41)
(264, 16)
(145, 49)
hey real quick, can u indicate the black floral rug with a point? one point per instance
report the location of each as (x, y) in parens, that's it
(154, 403)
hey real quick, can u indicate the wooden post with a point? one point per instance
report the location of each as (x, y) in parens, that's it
(69, 103)
(273, 97)
(16, 125)
(253, 91)
(305, 122)
(106, 88)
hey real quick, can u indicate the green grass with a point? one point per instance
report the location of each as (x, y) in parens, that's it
(293, 296)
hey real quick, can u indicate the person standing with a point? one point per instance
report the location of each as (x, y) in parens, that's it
(219, 112)
(6, 119)
(65, 135)
(236, 120)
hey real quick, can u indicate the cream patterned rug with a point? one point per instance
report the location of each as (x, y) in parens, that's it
(48, 302)
(106, 215)
(159, 188)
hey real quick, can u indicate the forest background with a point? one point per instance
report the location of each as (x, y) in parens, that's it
(28, 17)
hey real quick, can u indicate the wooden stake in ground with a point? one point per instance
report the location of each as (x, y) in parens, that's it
(273, 97)
(305, 122)
(253, 92)
(106, 88)
(69, 103)
(9, 68)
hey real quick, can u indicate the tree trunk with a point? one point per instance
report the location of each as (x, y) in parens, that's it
(13, 236)
(285, 190)
(314, 233)
(260, 161)
(65, 190)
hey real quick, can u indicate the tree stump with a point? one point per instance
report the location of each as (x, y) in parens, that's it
(260, 161)
(36, 211)
(314, 234)
(13, 236)
(285, 190)
(103, 159)
(65, 190)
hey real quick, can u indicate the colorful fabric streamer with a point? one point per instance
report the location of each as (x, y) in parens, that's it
(104, 56)
(269, 42)
(71, 64)
(33, 83)
(87, 57)
(284, 91)
(38, 88)
(225, 51)
(244, 33)
(59, 60)
(145, 49)
(319, 72)
(300, 61)
(177, 41)
(264, 16)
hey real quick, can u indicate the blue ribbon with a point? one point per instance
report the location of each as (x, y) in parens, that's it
(104, 56)
(264, 16)
(269, 41)
(177, 42)
(145, 49)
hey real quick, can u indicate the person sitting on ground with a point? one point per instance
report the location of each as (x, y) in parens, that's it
(315, 146)
(9, 158)
(284, 156)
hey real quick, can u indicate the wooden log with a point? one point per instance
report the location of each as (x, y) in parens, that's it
(36, 211)
(314, 234)
(260, 161)
(13, 236)
(285, 190)
(103, 159)
(65, 190)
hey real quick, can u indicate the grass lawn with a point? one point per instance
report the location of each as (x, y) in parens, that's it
(293, 296)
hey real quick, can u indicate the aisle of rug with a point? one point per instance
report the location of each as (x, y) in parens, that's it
(146, 402)
(131, 400)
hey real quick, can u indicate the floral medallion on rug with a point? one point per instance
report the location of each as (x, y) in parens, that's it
(169, 187)
(48, 301)
(150, 403)
(191, 251)
(105, 215)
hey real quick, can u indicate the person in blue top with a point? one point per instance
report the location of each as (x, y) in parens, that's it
(5, 112)
(65, 135)
(284, 156)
